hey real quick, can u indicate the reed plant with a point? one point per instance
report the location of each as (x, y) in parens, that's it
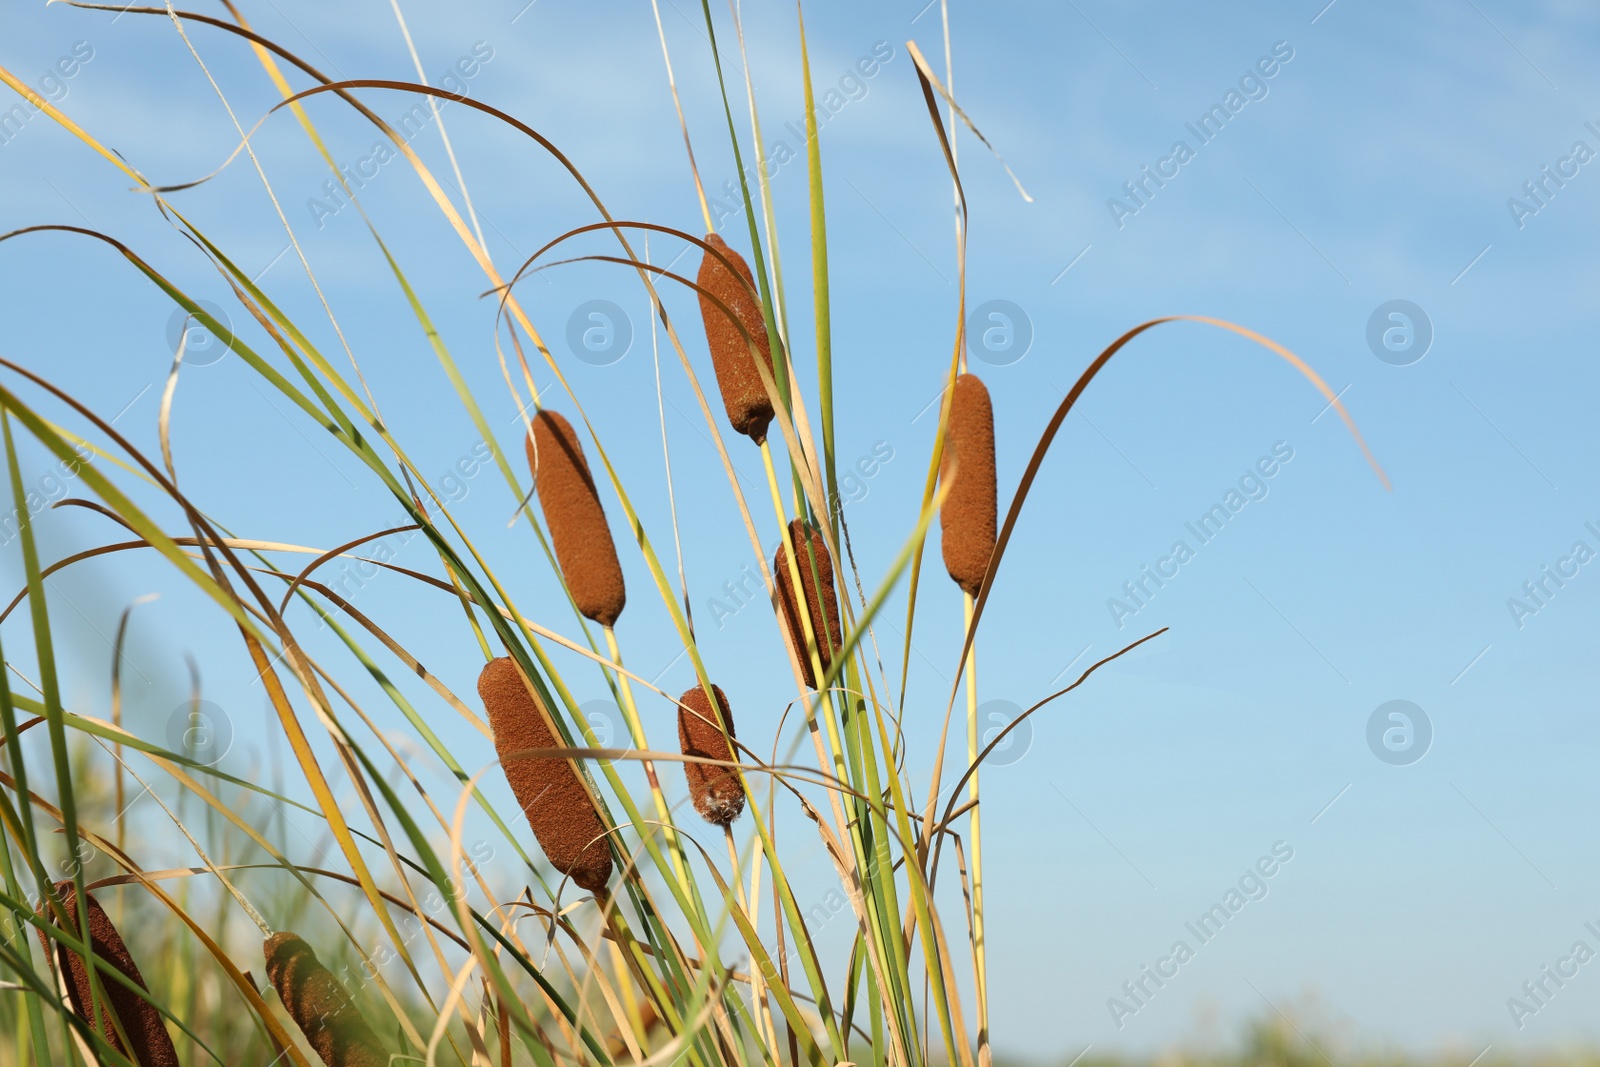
(618, 934)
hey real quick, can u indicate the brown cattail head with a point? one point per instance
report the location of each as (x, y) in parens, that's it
(749, 406)
(968, 517)
(553, 797)
(139, 1019)
(717, 791)
(821, 605)
(577, 523)
(319, 1007)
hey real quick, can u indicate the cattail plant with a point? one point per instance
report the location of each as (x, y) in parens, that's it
(745, 397)
(577, 522)
(822, 601)
(322, 1010)
(586, 554)
(967, 521)
(552, 795)
(149, 1044)
(717, 792)
(728, 969)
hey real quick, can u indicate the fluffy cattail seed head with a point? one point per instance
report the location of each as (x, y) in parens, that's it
(968, 517)
(139, 1019)
(577, 522)
(552, 795)
(319, 1007)
(749, 407)
(717, 791)
(822, 604)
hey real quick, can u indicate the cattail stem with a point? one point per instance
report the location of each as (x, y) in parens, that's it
(758, 993)
(765, 1030)
(624, 983)
(979, 950)
(503, 1016)
(758, 987)
(834, 754)
(630, 714)
(812, 649)
(466, 607)
(830, 753)
(829, 745)
(738, 876)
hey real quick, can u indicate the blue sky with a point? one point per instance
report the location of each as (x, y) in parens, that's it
(1376, 163)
